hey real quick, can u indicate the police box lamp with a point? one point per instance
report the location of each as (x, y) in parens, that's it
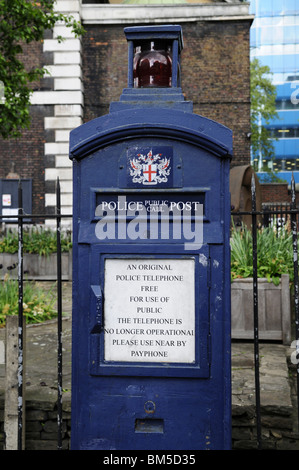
(151, 265)
(154, 56)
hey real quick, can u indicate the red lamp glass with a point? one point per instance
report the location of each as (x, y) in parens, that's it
(154, 57)
(152, 64)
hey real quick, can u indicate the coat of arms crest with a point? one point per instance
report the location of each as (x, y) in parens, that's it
(149, 168)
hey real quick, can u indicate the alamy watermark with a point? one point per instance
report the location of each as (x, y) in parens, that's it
(295, 93)
(132, 220)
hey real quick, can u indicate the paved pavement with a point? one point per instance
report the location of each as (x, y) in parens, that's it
(41, 352)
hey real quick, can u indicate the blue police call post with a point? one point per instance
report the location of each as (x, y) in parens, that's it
(151, 264)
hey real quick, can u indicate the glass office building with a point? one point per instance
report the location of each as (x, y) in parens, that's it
(274, 40)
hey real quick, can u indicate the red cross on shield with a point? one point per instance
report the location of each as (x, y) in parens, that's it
(150, 173)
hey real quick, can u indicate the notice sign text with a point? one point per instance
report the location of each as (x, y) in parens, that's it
(149, 311)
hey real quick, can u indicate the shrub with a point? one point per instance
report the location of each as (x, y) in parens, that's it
(35, 240)
(38, 305)
(274, 254)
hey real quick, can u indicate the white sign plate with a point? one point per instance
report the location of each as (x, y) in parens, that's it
(149, 311)
(6, 199)
(9, 211)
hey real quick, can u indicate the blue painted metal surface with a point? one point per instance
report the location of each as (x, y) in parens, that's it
(151, 404)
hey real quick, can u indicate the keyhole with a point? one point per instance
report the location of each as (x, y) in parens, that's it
(149, 407)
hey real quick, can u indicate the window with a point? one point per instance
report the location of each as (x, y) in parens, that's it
(284, 133)
(288, 164)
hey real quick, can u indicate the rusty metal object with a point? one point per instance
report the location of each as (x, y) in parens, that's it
(240, 189)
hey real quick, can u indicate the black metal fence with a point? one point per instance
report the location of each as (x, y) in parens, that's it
(270, 215)
(22, 219)
(277, 216)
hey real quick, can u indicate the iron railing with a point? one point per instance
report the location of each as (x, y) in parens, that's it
(280, 215)
(22, 219)
(270, 214)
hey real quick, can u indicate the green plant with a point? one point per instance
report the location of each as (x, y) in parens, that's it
(38, 305)
(274, 254)
(263, 109)
(35, 240)
(22, 23)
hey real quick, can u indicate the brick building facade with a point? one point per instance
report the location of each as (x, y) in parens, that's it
(88, 73)
(275, 193)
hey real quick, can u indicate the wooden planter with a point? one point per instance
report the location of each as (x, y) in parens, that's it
(274, 309)
(36, 266)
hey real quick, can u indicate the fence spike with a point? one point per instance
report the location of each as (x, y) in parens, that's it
(59, 317)
(255, 312)
(293, 192)
(296, 283)
(252, 182)
(20, 320)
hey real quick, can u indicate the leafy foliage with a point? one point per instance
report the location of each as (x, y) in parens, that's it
(38, 305)
(274, 254)
(36, 240)
(262, 95)
(22, 22)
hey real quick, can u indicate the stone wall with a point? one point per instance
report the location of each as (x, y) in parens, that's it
(41, 153)
(37, 267)
(41, 424)
(277, 427)
(278, 398)
(27, 156)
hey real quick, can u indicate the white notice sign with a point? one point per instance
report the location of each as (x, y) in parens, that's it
(6, 199)
(149, 310)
